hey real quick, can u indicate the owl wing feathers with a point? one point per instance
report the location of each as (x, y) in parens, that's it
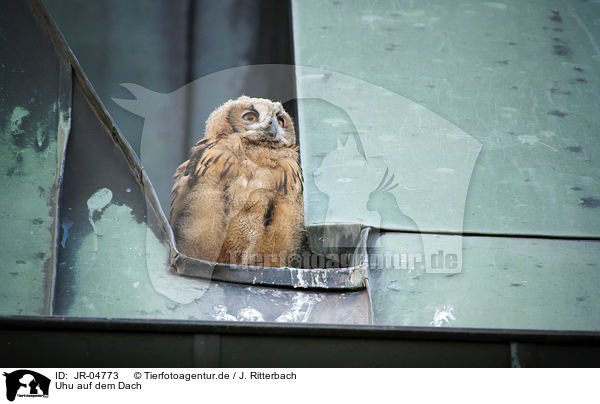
(214, 200)
(199, 210)
(213, 158)
(290, 177)
(219, 160)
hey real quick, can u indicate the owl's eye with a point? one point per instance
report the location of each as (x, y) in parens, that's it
(250, 116)
(281, 121)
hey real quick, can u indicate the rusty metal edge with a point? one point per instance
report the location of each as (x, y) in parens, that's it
(65, 98)
(63, 128)
(371, 315)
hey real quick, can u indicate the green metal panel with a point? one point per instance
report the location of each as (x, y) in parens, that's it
(114, 251)
(519, 78)
(431, 120)
(34, 123)
(505, 283)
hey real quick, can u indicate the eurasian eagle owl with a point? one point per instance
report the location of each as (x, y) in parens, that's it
(238, 199)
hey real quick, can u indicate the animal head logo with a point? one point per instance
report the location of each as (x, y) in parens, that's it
(401, 167)
(26, 383)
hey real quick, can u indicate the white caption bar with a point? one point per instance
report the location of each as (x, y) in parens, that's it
(45, 386)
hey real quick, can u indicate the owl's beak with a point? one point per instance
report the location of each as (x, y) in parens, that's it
(273, 130)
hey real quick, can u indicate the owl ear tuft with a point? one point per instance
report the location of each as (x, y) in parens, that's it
(218, 122)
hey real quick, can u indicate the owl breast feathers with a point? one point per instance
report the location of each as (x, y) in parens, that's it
(238, 199)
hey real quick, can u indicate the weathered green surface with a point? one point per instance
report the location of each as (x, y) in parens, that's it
(520, 80)
(505, 283)
(121, 271)
(30, 157)
(517, 77)
(27, 177)
(351, 174)
(114, 253)
(428, 100)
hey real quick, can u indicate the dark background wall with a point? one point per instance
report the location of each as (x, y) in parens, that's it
(163, 45)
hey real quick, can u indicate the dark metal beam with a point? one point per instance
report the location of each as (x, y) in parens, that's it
(108, 342)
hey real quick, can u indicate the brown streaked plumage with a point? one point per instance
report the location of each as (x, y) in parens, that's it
(238, 199)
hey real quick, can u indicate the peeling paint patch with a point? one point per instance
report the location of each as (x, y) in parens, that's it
(222, 315)
(558, 113)
(555, 16)
(15, 121)
(559, 91)
(561, 50)
(41, 139)
(497, 6)
(98, 201)
(590, 202)
(250, 314)
(445, 170)
(302, 305)
(443, 314)
(65, 223)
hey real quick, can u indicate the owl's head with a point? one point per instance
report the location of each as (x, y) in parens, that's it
(258, 120)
